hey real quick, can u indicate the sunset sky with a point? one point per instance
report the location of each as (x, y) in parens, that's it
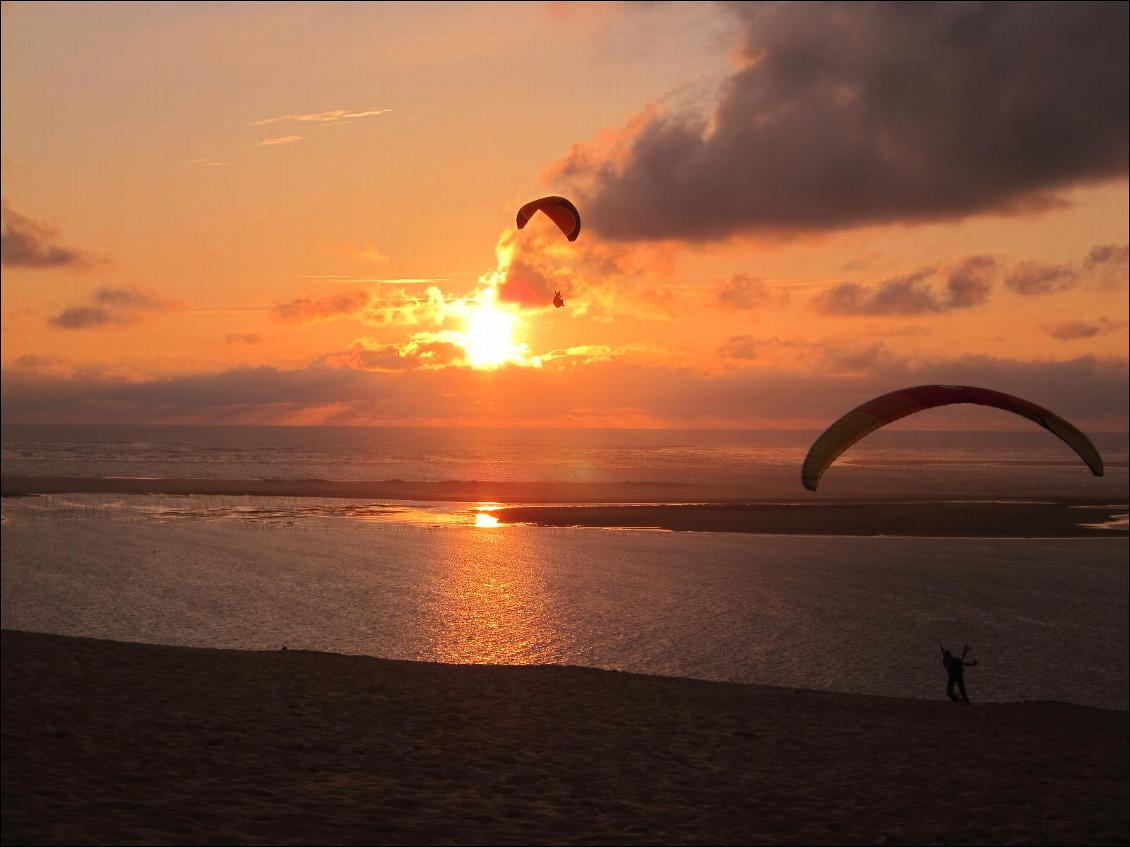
(304, 213)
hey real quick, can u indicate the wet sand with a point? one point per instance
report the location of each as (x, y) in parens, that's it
(660, 505)
(127, 743)
(944, 519)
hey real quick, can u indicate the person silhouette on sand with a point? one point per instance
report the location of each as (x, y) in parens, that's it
(955, 669)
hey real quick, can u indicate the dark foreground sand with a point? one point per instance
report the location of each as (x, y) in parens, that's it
(121, 743)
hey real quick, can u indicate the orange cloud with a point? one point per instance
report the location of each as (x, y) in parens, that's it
(328, 117)
(281, 139)
(307, 309)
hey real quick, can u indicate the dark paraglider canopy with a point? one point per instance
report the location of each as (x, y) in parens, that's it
(558, 209)
(558, 301)
(882, 410)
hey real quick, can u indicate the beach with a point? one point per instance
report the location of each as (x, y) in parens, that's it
(679, 507)
(131, 743)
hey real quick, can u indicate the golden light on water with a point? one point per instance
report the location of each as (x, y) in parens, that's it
(485, 519)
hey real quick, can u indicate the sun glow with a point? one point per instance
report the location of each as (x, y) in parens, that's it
(489, 335)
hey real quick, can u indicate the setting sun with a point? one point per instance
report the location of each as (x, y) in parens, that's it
(489, 336)
(492, 422)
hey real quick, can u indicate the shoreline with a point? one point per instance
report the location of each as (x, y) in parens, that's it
(113, 742)
(942, 519)
(659, 506)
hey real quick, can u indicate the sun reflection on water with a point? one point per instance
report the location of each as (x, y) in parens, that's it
(491, 605)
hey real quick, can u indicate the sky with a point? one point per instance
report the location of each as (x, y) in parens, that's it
(257, 213)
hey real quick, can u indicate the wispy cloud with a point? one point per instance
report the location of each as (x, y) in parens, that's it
(208, 162)
(1076, 330)
(1107, 263)
(281, 139)
(308, 309)
(329, 117)
(966, 285)
(1037, 278)
(109, 306)
(27, 243)
(743, 292)
(739, 347)
(243, 338)
(397, 280)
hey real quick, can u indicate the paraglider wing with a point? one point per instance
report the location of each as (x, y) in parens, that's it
(882, 410)
(558, 209)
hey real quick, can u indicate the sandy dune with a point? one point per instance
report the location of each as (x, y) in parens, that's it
(124, 743)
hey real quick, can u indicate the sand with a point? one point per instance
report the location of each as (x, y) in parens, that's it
(662, 505)
(985, 519)
(127, 743)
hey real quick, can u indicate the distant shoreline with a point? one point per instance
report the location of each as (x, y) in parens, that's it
(913, 519)
(111, 742)
(685, 508)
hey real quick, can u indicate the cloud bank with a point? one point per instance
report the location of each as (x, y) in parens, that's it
(1091, 391)
(848, 114)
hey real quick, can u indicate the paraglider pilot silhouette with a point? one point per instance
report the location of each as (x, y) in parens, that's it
(955, 669)
(561, 212)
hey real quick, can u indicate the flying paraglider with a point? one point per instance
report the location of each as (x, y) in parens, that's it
(880, 411)
(561, 212)
(557, 209)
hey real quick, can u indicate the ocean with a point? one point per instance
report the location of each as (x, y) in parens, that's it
(756, 463)
(1047, 618)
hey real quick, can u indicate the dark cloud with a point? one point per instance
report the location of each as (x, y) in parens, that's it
(110, 307)
(1092, 391)
(1107, 255)
(847, 114)
(1107, 264)
(741, 291)
(88, 317)
(1075, 330)
(739, 347)
(1035, 278)
(243, 338)
(307, 309)
(26, 243)
(966, 285)
(129, 297)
